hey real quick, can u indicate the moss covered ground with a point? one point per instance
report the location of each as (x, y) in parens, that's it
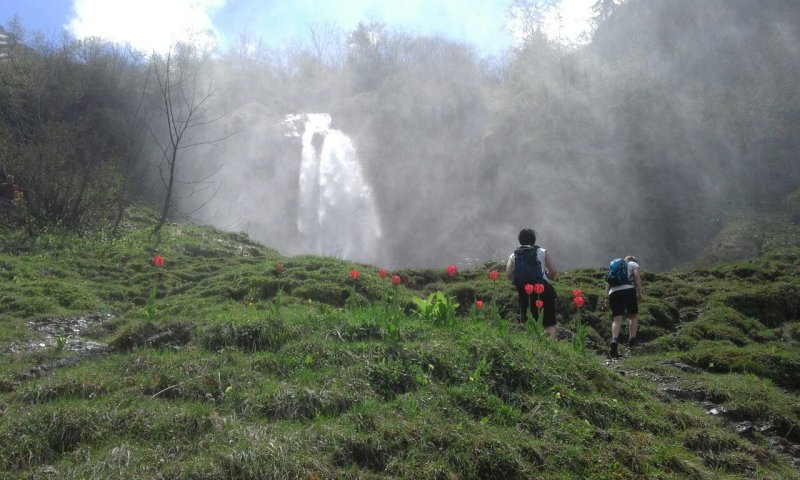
(232, 361)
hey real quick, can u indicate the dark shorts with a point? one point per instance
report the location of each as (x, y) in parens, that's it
(528, 302)
(623, 302)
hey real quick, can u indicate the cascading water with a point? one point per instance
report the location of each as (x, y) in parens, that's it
(336, 215)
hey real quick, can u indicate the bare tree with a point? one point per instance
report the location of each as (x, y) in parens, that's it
(528, 18)
(184, 98)
(326, 45)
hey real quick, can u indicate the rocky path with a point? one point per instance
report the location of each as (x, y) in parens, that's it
(674, 387)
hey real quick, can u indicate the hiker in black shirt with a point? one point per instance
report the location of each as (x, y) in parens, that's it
(532, 265)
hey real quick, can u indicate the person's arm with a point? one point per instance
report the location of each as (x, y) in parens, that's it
(510, 268)
(550, 266)
(637, 282)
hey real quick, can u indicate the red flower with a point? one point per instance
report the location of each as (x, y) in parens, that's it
(452, 270)
(158, 261)
(529, 289)
(382, 273)
(577, 293)
(479, 304)
(279, 267)
(395, 280)
(578, 301)
(354, 274)
(539, 304)
(493, 275)
(538, 288)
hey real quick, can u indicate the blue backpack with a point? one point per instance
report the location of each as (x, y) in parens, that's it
(527, 267)
(617, 273)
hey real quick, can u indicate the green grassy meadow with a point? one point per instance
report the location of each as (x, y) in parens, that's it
(234, 362)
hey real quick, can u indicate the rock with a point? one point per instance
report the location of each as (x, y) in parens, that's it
(682, 366)
(717, 410)
(744, 428)
(682, 394)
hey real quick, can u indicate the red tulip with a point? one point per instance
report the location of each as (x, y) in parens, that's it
(279, 267)
(479, 304)
(452, 270)
(578, 301)
(158, 261)
(577, 293)
(529, 289)
(539, 304)
(493, 275)
(538, 288)
(395, 280)
(354, 274)
(382, 273)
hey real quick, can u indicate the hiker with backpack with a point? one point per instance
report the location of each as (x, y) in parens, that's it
(623, 294)
(532, 265)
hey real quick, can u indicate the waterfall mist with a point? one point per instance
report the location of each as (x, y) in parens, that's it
(423, 154)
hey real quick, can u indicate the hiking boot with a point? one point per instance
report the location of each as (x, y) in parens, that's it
(632, 342)
(614, 349)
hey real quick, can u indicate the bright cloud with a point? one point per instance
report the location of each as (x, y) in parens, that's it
(154, 25)
(148, 25)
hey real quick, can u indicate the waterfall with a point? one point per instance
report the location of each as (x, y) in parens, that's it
(337, 215)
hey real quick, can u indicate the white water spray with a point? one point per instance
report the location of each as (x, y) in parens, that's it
(337, 215)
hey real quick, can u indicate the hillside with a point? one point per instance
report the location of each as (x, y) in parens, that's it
(232, 361)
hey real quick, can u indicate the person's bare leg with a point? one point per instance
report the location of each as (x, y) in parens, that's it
(633, 329)
(616, 325)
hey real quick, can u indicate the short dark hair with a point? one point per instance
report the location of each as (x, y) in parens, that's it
(527, 236)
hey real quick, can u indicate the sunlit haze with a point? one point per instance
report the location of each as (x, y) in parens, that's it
(421, 133)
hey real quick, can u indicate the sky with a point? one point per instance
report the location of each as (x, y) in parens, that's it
(155, 24)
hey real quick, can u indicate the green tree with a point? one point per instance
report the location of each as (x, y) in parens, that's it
(63, 129)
